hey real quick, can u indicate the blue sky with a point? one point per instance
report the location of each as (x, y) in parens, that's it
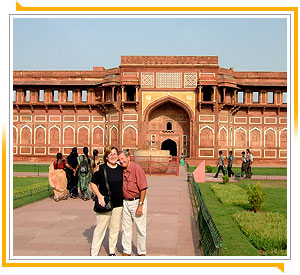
(252, 44)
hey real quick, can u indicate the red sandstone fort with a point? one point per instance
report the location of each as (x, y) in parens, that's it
(185, 104)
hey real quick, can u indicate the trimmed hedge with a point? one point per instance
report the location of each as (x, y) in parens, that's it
(266, 230)
(231, 194)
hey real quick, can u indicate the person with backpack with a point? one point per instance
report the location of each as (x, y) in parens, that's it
(84, 173)
(72, 173)
(249, 158)
(58, 178)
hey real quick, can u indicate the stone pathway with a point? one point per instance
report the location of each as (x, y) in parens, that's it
(65, 228)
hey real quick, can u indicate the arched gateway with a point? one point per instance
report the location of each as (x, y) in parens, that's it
(167, 126)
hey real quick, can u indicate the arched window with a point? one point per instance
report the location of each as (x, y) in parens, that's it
(169, 126)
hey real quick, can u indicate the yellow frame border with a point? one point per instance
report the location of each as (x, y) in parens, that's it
(21, 8)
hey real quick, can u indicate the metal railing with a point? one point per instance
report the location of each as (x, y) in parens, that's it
(31, 195)
(210, 237)
(158, 164)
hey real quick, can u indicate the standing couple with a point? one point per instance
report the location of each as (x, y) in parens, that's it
(128, 185)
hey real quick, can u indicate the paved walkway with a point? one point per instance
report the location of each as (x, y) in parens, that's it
(65, 228)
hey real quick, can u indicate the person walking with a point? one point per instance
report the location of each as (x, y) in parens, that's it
(72, 173)
(134, 204)
(96, 161)
(249, 159)
(58, 178)
(220, 164)
(85, 173)
(111, 219)
(244, 165)
(230, 163)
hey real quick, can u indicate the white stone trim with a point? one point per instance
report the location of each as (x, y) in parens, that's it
(54, 118)
(58, 149)
(83, 126)
(34, 136)
(265, 119)
(208, 127)
(223, 127)
(41, 116)
(260, 119)
(25, 126)
(239, 128)
(98, 126)
(49, 133)
(206, 116)
(240, 117)
(94, 119)
(69, 126)
(40, 154)
(283, 129)
(15, 118)
(136, 132)
(83, 121)
(270, 150)
(260, 141)
(137, 117)
(22, 118)
(21, 147)
(265, 132)
(67, 118)
(280, 154)
(17, 135)
(110, 130)
(213, 152)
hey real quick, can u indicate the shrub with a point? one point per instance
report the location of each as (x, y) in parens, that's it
(265, 230)
(255, 196)
(225, 179)
(209, 169)
(230, 194)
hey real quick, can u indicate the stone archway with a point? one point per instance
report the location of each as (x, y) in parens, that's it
(170, 145)
(168, 119)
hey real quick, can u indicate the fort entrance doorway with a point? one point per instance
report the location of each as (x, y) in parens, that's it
(170, 145)
(168, 127)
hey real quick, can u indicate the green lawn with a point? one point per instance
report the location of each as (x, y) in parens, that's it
(271, 171)
(30, 189)
(31, 167)
(235, 242)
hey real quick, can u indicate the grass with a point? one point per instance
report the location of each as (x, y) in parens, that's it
(230, 194)
(31, 167)
(271, 171)
(235, 243)
(266, 230)
(30, 189)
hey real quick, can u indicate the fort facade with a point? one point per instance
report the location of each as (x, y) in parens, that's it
(185, 104)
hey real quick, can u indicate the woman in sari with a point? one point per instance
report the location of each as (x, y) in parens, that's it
(58, 179)
(85, 173)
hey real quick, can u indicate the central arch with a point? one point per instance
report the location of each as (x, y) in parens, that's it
(171, 119)
(170, 145)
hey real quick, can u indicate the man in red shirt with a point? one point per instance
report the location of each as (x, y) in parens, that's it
(134, 204)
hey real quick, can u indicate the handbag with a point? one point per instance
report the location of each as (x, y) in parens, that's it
(108, 203)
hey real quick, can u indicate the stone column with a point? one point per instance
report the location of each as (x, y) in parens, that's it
(113, 93)
(123, 93)
(224, 94)
(137, 93)
(200, 94)
(234, 96)
(103, 94)
(214, 97)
